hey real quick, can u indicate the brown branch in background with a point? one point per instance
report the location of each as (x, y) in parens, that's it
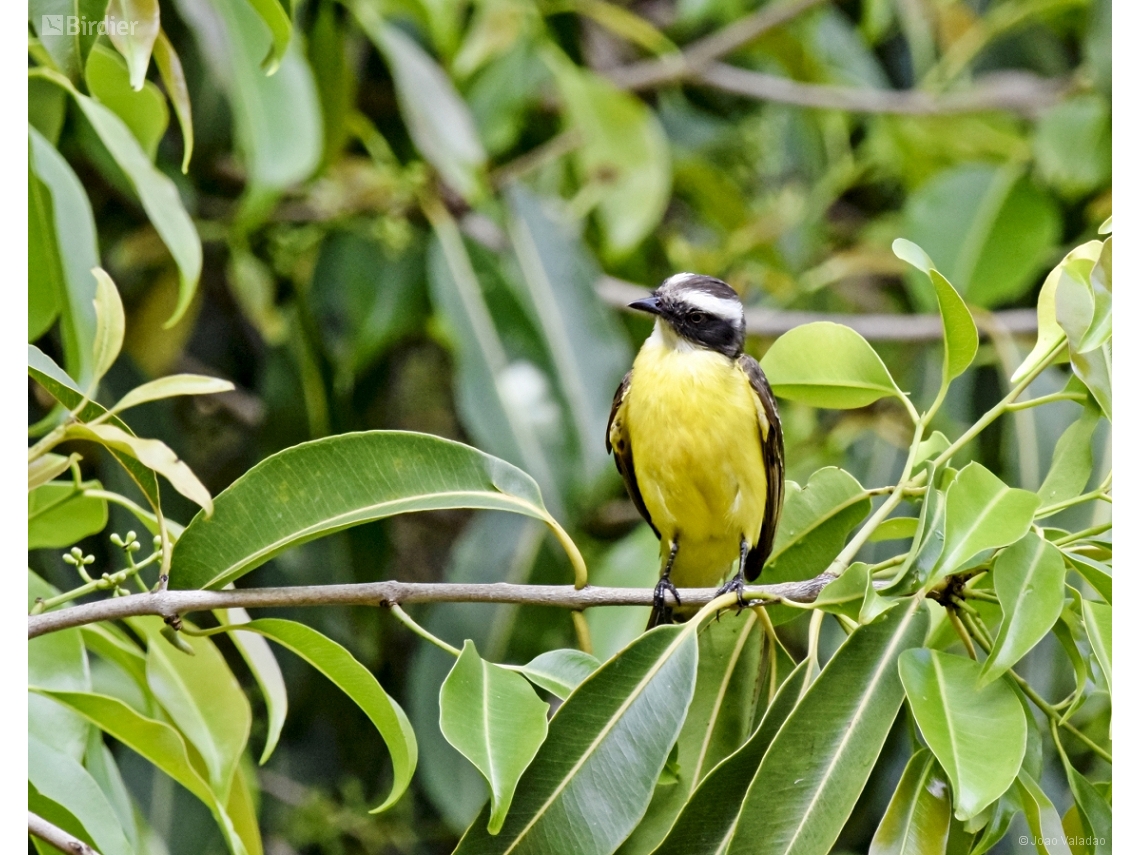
(770, 323)
(168, 604)
(56, 836)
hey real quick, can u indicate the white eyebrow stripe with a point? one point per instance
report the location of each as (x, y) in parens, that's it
(677, 279)
(721, 307)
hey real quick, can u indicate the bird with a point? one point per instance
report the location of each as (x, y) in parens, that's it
(696, 436)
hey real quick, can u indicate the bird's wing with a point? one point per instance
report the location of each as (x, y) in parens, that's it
(772, 442)
(618, 441)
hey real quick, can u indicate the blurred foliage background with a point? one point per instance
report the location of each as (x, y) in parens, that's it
(429, 216)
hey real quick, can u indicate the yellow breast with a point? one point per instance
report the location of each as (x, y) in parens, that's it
(692, 422)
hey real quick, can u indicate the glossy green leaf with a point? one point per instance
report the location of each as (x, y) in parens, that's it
(559, 671)
(815, 523)
(1100, 279)
(436, 116)
(320, 487)
(100, 764)
(142, 109)
(917, 820)
(110, 323)
(109, 642)
(624, 156)
(819, 761)
(1093, 810)
(845, 595)
(1096, 573)
(242, 806)
(719, 720)
(1098, 624)
(57, 661)
(619, 725)
(174, 79)
(156, 741)
(172, 386)
(48, 466)
(1048, 836)
(152, 453)
(356, 681)
(63, 780)
(977, 734)
(46, 283)
(968, 216)
(709, 818)
(895, 528)
(1074, 299)
(276, 19)
(68, 50)
(827, 365)
(60, 514)
(931, 447)
(157, 193)
(202, 697)
(1029, 577)
(584, 339)
(1049, 332)
(1072, 460)
(60, 386)
(1094, 368)
(135, 41)
(75, 240)
(1072, 144)
(959, 333)
(255, 650)
(981, 513)
(493, 717)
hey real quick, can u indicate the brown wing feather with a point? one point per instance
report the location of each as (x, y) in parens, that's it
(773, 446)
(618, 442)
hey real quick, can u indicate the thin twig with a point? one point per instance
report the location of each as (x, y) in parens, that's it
(56, 836)
(170, 603)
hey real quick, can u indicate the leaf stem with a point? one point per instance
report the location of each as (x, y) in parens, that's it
(956, 622)
(1049, 510)
(1046, 399)
(108, 581)
(1079, 535)
(406, 619)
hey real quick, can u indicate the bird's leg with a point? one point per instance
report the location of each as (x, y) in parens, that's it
(736, 583)
(663, 585)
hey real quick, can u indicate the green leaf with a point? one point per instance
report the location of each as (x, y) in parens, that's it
(319, 487)
(74, 239)
(170, 387)
(157, 193)
(63, 780)
(135, 41)
(847, 593)
(959, 333)
(109, 642)
(68, 50)
(493, 717)
(1095, 371)
(895, 528)
(46, 284)
(558, 671)
(981, 513)
(57, 661)
(1049, 332)
(1029, 578)
(155, 741)
(152, 453)
(1096, 573)
(1098, 624)
(1093, 810)
(1073, 145)
(917, 820)
(969, 215)
(280, 27)
(202, 697)
(438, 120)
(827, 365)
(619, 725)
(635, 560)
(46, 467)
(1100, 280)
(60, 514)
(1074, 299)
(1072, 460)
(1045, 828)
(584, 338)
(110, 323)
(815, 523)
(819, 761)
(623, 161)
(174, 79)
(255, 650)
(719, 720)
(142, 109)
(977, 734)
(356, 681)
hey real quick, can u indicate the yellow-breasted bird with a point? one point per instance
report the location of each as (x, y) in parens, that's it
(696, 437)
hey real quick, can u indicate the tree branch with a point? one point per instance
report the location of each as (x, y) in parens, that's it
(168, 604)
(56, 836)
(770, 323)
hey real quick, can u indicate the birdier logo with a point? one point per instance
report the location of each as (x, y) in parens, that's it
(74, 25)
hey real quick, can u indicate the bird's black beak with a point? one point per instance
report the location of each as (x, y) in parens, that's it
(647, 304)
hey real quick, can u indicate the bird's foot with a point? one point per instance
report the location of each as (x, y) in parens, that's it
(659, 605)
(735, 585)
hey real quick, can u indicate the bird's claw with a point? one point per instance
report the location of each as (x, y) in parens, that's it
(659, 606)
(734, 585)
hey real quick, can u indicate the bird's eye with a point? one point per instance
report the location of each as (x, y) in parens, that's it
(697, 318)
